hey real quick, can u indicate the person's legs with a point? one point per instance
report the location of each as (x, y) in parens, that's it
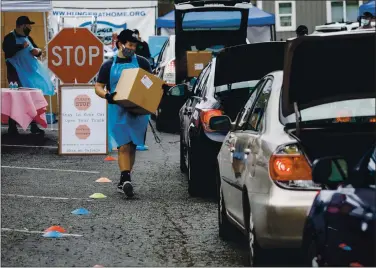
(12, 127)
(126, 159)
(35, 129)
(12, 77)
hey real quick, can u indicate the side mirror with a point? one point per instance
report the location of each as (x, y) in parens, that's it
(178, 90)
(193, 82)
(221, 123)
(330, 170)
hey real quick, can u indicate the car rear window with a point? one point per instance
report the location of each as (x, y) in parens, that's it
(246, 84)
(349, 111)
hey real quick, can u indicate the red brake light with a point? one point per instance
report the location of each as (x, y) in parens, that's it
(205, 118)
(289, 168)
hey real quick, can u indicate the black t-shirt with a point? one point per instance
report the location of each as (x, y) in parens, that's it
(10, 47)
(104, 72)
(143, 49)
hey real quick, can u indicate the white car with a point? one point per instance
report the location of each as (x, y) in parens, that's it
(338, 27)
(316, 107)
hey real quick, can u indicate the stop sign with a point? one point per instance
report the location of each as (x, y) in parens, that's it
(75, 55)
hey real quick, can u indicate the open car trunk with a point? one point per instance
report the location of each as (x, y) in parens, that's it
(351, 141)
(230, 28)
(233, 100)
(239, 68)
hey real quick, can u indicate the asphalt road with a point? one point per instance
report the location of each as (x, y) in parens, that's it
(161, 226)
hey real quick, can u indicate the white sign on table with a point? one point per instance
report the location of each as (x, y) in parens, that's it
(83, 121)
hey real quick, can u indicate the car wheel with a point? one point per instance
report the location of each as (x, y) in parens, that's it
(193, 185)
(255, 253)
(183, 166)
(225, 229)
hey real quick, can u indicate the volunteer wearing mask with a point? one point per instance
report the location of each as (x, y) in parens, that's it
(125, 129)
(366, 21)
(23, 66)
(142, 46)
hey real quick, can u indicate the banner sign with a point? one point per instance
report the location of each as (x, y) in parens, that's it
(83, 121)
(107, 21)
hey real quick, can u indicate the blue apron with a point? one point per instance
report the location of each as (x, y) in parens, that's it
(124, 127)
(31, 71)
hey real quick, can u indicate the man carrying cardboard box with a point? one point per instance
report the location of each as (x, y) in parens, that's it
(126, 130)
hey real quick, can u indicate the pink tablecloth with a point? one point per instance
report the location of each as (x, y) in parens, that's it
(24, 106)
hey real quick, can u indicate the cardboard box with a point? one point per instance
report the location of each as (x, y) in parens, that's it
(139, 91)
(196, 62)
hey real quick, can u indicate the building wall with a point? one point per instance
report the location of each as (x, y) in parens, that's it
(309, 13)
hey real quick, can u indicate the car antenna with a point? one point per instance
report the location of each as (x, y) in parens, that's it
(298, 118)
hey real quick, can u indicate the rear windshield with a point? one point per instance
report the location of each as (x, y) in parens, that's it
(241, 85)
(212, 20)
(349, 111)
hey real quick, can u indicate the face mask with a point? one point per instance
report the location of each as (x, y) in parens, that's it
(26, 31)
(365, 22)
(127, 52)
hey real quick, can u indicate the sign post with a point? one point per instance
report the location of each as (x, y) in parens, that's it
(75, 56)
(82, 121)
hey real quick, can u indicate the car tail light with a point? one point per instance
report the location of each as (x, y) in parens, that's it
(289, 168)
(169, 73)
(372, 120)
(205, 118)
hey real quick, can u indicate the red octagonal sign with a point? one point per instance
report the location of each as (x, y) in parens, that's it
(75, 55)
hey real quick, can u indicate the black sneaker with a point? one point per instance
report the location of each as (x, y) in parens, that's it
(120, 187)
(34, 129)
(128, 189)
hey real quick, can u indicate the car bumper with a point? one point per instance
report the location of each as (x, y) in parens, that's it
(280, 216)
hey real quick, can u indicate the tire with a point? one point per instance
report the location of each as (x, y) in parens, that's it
(194, 189)
(225, 229)
(183, 166)
(255, 254)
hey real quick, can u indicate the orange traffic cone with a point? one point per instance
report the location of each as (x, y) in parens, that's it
(103, 180)
(110, 158)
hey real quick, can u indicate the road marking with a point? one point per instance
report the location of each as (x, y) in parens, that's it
(29, 146)
(53, 169)
(34, 232)
(47, 197)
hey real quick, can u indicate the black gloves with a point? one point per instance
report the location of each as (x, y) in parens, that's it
(165, 88)
(110, 98)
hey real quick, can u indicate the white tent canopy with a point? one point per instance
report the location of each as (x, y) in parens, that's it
(104, 4)
(26, 6)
